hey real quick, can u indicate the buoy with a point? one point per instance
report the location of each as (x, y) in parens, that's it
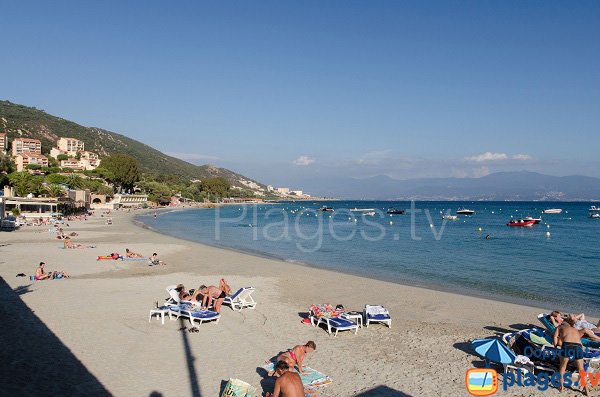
(431, 225)
(391, 223)
(355, 220)
(547, 234)
(548, 226)
(492, 212)
(480, 229)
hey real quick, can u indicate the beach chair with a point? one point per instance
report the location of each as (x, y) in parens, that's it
(545, 320)
(242, 299)
(200, 316)
(377, 314)
(337, 324)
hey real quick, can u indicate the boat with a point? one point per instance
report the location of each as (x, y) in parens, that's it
(369, 213)
(394, 211)
(362, 209)
(535, 220)
(464, 211)
(450, 217)
(594, 212)
(326, 209)
(520, 222)
(552, 211)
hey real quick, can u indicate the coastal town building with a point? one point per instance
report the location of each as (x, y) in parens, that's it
(296, 192)
(270, 188)
(3, 142)
(24, 159)
(26, 145)
(283, 190)
(71, 163)
(70, 146)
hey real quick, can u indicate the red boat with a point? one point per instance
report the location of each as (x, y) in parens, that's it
(521, 222)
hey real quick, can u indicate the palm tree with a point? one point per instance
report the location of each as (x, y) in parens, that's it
(54, 190)
(74, 181)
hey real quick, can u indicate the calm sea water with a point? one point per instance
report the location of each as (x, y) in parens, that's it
(517, 264)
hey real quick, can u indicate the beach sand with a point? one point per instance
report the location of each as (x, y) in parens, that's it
(90, 335)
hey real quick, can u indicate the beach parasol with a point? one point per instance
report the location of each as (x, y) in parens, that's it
(493, 350)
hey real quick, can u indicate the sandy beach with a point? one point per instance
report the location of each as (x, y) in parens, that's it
(90, 335)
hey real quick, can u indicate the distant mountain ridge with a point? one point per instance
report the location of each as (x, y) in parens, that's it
(29, 122)
(520, 185)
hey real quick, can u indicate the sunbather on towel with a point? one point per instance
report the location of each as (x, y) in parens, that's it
(210, 294)
(294, 357)
(569, 339)
(288, 383)
(131, 254)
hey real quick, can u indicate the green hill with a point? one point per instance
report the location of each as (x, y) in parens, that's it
(29, 122)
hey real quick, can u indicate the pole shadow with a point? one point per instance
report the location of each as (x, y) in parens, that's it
(189, 357)
(382, 391)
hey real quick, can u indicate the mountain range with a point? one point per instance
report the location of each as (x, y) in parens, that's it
(29, 122)
(520, 185)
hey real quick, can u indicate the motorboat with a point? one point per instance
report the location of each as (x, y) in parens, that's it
(594, 212)
(520, 222)
(326, 209)
(394, 211)
(369, 213)
(535, 220)
(464, 211)
(362, 209)
(450, 217)
(552, 211)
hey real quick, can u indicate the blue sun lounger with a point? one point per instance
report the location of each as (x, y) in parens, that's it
(242, 299)
(193, 315)
(545, 320)
(337, 324)
(377, 314)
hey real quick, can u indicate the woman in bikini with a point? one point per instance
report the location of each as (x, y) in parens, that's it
(294, 357)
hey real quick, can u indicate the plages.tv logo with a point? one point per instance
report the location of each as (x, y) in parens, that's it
(481, 381)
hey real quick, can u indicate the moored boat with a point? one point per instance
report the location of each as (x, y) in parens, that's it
(464, 211)
(535, 220)
(520, 222)
(450, 217)
(369, 213)
(326, 209)
(594, 212)
(552, 211)
(362, 209)
(394, 211)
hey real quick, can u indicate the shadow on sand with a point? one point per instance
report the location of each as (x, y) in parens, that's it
(34, 361)
(382, 391)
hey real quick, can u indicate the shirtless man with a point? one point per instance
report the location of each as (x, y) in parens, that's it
(40, 274)
(288, 383)
(210, 294)
(131, 254)
(569, 339)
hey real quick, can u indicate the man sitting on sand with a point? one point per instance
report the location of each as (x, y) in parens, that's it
(40, 273)
(131, 254)
(295, 356)
(155, 261)
(210, 294)
(568, 338)
(288, 383)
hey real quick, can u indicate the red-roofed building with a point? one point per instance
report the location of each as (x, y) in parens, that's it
(26, 145)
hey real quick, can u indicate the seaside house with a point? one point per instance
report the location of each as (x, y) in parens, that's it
(70, 146)
(283, 190)
(26, 145)
(3, 142)
(129, 200)
(22, 160)
(71, 163)
(89, 160)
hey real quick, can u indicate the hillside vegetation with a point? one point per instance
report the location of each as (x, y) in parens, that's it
(29, 122)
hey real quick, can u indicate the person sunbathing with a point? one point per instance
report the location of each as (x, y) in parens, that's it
(212, 294)
(294, 357)
(556, 318)
(568, 338)
(184, 296)
(581, 323)
(131, 254)
(68, 244)
(288, 383)
(224, 286)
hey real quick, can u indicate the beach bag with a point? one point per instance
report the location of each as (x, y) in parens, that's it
(238, 388)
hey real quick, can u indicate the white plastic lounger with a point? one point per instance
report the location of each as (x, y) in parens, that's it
(377, 314)
(173, 298)
(242, 299)
(337, 324)
(201, 316)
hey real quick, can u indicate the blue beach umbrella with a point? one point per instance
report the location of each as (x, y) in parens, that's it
(493, 350)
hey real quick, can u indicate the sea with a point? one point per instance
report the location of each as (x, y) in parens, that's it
(554, 264)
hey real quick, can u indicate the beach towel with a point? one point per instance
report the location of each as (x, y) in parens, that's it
(238, 388)
(311, 377)
(135, 259)
(324, 310)
(377, 310)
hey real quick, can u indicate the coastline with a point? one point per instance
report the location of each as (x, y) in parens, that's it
(101, 316)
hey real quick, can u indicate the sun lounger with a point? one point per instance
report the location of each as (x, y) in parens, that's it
(377, 314)
(337, 324)
(192, 314)
(545, 320)
(242, 299)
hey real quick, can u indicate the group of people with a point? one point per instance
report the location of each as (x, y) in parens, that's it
(207, 296)
(567, 336)
(41, 274)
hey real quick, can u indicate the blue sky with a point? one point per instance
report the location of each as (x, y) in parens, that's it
(287, 91)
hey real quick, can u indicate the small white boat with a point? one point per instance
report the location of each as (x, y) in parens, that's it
(535, 220)
(369, 213)
(450, 217)
(363, 210)
(552, 211)
(594, 212)
(464, 211)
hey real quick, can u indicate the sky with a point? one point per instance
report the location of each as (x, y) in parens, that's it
(286, 92)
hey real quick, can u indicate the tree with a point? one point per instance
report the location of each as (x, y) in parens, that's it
(74, 181)
(121, 170)
(24, 183)
(156, 191)
(62, 157)
(216, 186)
(6, 164)
(54, 190)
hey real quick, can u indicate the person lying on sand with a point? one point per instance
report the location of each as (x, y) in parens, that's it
(68, 244)
(210, 294)
(296, 355)
(288, 383)
(40, 273)
(568, 338)
(131, 254)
